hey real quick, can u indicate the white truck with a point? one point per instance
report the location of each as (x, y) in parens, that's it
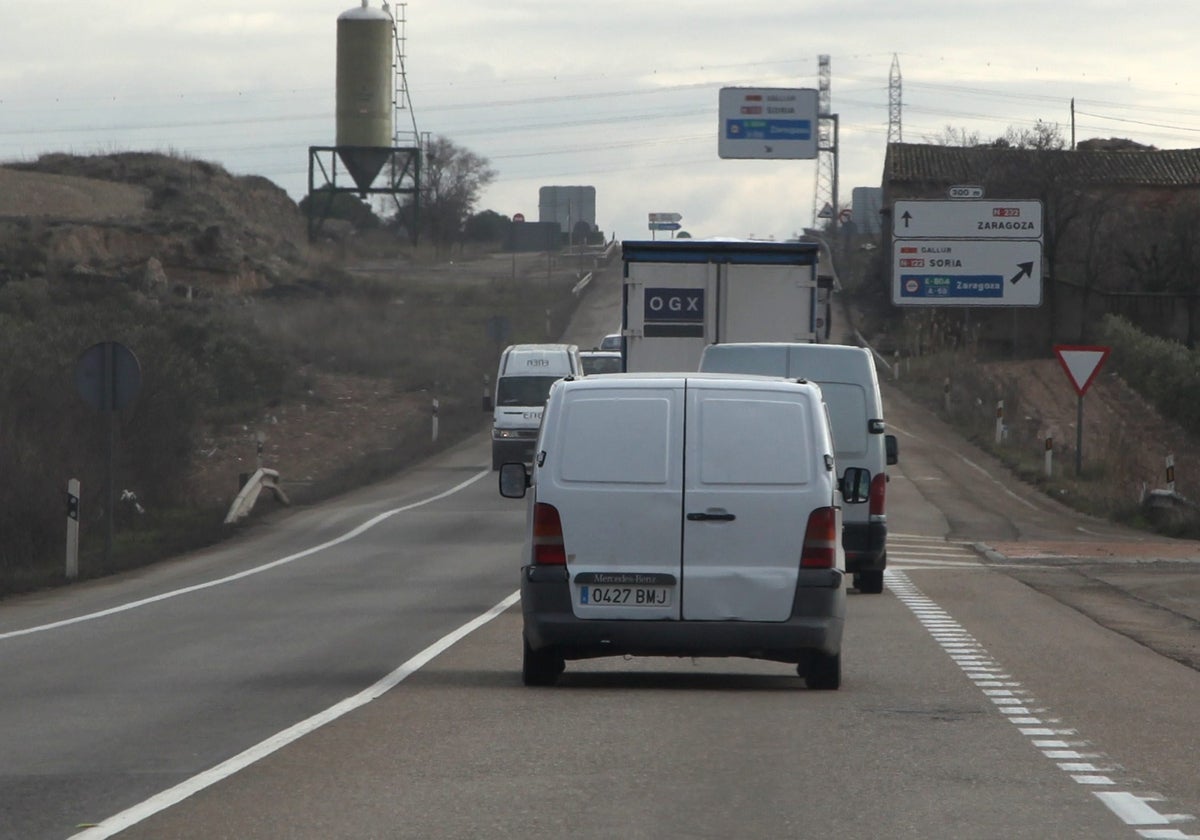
(681, 295)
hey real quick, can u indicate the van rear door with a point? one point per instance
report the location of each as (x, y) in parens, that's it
(617, 488)
(749, 483)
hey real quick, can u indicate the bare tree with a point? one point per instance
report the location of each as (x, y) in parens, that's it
(452, 179)
(955, 136)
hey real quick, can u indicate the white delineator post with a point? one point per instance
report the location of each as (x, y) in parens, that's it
(435, 419)
(999, 422)
(1049, 460)
(72, 529)
(1171, 473)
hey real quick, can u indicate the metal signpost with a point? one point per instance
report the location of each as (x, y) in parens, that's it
(108, 377)
(967, 252)
(1081, 363)
(664, 221)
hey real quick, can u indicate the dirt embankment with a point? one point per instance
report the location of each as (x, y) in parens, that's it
(168, 223)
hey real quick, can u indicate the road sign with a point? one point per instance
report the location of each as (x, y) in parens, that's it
(1082, 363)
(960, 272)
(983, 219)
(772, 123)
(518, 217)
(965, 192)
(665, 226)
(666, 217)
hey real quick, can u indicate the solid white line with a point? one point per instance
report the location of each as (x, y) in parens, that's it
(349, 535)
(173, 796)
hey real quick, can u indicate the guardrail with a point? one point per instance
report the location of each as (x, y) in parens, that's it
(243, 503)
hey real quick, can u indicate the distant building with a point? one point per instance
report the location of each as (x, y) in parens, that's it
(572, 208)
(865, 204)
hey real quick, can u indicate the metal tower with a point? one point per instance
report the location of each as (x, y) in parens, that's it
(401, 101)
(895, 134)
(825, 192)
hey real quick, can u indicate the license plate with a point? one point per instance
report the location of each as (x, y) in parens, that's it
(625, 596)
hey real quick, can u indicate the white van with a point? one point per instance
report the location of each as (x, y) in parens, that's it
(523, 380)
(681, 514)
(851, 390)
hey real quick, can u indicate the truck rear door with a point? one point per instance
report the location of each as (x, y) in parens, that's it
(668, 315)
(749, 483)
(768, 303)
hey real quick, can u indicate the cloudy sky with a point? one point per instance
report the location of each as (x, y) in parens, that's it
(620, 95)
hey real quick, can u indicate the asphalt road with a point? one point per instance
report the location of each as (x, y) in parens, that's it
(975, 704)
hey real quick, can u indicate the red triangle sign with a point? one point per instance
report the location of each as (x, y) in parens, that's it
(1081, 363)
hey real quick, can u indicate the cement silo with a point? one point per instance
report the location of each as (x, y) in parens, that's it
(365, 40)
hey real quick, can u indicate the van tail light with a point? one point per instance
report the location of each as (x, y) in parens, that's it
(878, 493)
(547, 536)
(820, 540)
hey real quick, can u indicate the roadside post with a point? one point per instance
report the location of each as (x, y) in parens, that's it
(1081, 363)
(1049, 460)
(1171, 473)
(72, 569)
(435, 419)
(999, 422)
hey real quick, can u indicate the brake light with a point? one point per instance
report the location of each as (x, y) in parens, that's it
(547, 536)
(820, 540)
(878, 493)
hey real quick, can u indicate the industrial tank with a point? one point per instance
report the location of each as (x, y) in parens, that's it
(365, 39)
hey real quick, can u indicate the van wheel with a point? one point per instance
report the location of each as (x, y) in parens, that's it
(496, 461)
(869, 582)
(540, 667)
(824, 671)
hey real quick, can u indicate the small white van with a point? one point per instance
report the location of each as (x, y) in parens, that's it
(680, 514)
(523, 380)
(851, 390)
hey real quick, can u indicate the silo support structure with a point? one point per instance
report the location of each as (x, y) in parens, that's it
(326, 179)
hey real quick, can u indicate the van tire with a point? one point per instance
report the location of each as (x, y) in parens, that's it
(496, 462)
(540, 667)
(869, 582)
(824, 671)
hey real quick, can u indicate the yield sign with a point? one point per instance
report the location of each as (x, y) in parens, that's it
(1081, 363)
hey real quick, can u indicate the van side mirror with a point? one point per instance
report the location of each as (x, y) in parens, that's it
(514, 479)
(855, 485)
(892, 448)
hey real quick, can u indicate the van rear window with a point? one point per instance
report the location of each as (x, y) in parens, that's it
(749, 441)
(621, 440)
(848, 416)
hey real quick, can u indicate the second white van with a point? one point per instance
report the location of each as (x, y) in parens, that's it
(851, 390)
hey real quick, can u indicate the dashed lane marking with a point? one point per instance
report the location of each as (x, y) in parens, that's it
(1076, 756)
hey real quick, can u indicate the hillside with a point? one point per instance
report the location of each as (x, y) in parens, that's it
(164, 221)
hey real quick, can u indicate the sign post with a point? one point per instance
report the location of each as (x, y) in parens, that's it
(108, 377)
(1081, 363)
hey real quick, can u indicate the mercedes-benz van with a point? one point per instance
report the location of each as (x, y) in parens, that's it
(683, 515)
(851, 390)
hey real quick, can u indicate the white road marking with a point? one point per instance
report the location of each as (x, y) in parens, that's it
(173, 796)
(349, 535)
(1021, 709)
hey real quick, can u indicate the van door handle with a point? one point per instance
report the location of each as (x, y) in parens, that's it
(711, 517)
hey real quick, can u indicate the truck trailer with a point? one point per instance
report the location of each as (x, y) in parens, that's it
(680, 295)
